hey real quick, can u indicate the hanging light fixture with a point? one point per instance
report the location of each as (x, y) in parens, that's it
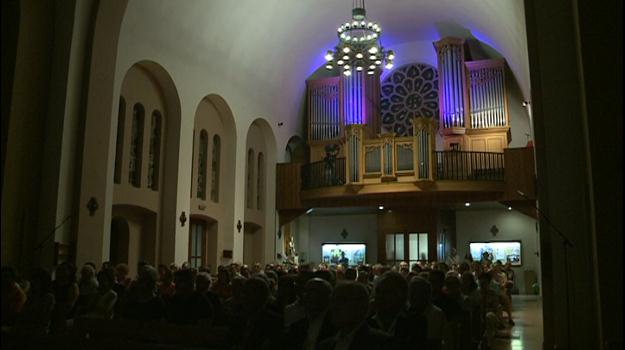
(359, 45)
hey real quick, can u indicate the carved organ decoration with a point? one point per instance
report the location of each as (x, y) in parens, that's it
(407, 92)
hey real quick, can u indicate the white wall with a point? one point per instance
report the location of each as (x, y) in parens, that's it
(475, 225)
(314, 230)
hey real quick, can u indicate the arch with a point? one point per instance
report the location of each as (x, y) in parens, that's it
(215, 116)
(297, 150)
(170, 156)
(261, 139)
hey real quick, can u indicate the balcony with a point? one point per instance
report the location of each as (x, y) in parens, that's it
(387, 176)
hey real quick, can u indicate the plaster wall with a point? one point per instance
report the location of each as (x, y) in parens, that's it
(475, 225)
(314, 230)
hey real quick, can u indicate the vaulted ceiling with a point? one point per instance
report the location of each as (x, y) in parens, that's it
(257, 54)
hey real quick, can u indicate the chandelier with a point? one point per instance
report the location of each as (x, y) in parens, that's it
(359, 48)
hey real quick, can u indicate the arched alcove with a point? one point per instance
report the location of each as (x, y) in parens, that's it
(260, 212)
(216, 160)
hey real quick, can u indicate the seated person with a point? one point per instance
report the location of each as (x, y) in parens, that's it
(142, 302)
(307, 333)
(452, 309)
(34, 318)
(104, 302)
(187, 306)
(391, 316)
(349, 307)
(202, 286)
(421, 304)
(255, 326)
(490, 308)
(13, 297)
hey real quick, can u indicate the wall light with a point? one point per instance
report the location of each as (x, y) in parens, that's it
(381, 207)
(467, 204)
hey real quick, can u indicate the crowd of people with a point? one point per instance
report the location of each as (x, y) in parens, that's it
(278, 306)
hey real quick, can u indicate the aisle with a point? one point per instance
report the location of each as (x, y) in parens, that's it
(527, 333)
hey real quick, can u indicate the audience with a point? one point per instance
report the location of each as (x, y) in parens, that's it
(431, 305)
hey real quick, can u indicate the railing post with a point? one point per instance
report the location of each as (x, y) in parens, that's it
(354, 137)
(388, 157)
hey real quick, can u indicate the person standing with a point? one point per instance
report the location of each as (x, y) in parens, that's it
(452, 258)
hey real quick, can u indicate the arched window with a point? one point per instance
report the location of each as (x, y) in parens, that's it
(154, 158)
(201, 176)
(260, 180)
(136, 145)
(215, 168)
(250, 179)
(119, 142)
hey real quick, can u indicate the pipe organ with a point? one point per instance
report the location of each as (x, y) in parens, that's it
(336, 102)
(344, 123)
(472, 100)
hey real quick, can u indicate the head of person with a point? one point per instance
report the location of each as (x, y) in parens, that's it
(287, 290)
(203, 282)
(316, 296)
(87, 273)
(237, 287)
(463, 267)
(183, 279)
(467, 284)
(349, 304)
(437, 280)
(452, 285)
(105, 265)
(301, 279)
(453, 252)
(420, 291)
(146, 279)
(403, 268)
(391, 294)
(245, 271)
(223, 275)
(106, 279)
(65, 273)
(416, 268)
(255, 295)
(351, 274)
(121, 272)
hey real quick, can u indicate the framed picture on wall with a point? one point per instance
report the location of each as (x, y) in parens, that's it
(350, 254)
(503, 251)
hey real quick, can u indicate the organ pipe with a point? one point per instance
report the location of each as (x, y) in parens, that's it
(487, 94)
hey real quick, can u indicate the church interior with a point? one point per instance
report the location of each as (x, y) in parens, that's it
(317, 134)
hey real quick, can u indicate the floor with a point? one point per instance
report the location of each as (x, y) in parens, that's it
(527, 333)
